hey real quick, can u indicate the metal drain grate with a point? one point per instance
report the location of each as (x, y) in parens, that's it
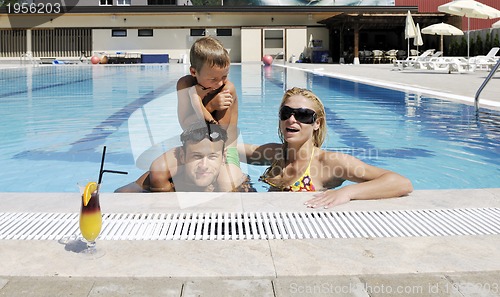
(247, 226)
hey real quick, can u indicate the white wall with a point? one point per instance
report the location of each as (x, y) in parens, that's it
(295, 40)
(251, 44)
(175, 42)
(319, 33)
(172, 31)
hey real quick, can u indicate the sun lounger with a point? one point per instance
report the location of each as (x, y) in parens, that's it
(412, 60)
(46, 60)
(486, 62)
(423, 63)
(450, 64)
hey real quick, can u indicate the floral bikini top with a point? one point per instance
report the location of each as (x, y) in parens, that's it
(303, 184)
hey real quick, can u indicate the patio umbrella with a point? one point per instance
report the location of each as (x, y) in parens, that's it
(469, 9)
(418, 38)
(496, 25)
(410, 29)
(310, 44)
(442, 29)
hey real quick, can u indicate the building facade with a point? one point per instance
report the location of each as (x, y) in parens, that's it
(248, 28)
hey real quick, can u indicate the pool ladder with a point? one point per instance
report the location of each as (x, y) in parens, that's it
(492, 72)
(28, 57)
(280, 54)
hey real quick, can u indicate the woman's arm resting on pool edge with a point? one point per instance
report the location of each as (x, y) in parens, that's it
(371, 183)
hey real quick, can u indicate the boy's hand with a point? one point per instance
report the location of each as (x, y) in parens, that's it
(221, 101)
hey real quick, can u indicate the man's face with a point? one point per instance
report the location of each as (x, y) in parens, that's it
(202, 162)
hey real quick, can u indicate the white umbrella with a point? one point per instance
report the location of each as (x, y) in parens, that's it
(442, 29)
(410, 29)
(496, 25)
(469, 9)
(418, 38)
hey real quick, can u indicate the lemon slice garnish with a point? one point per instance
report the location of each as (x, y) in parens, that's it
(90, 188)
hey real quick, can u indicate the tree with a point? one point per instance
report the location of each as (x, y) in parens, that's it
(496, 42)
(488, 43)
(463, 47)
(478, 47)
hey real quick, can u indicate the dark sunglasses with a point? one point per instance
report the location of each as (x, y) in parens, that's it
(303, 115)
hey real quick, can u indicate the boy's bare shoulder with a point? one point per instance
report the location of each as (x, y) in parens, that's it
(185, 82)
(229, 85)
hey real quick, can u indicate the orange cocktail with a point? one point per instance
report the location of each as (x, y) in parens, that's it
(90, 214)
(91, 219)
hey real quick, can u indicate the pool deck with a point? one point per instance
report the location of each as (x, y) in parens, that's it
(466, 265)
(455, 86)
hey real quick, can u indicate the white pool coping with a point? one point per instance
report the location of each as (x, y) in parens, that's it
(251, 258)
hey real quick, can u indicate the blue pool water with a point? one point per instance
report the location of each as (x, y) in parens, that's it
(56, 119)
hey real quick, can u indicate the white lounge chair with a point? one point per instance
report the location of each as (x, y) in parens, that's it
(486, 62)
(410, 61)
(423, 63)
(451, 64)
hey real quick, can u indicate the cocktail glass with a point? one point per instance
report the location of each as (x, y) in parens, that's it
(90, 211)
(90, 218)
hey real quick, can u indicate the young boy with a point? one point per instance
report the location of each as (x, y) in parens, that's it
(206, 95)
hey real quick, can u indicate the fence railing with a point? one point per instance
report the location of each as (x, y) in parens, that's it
(13, 43)
(59, 42)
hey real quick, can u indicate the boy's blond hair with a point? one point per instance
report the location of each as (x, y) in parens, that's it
(208, 50)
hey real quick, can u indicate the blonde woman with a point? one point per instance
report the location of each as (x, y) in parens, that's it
(299, 163)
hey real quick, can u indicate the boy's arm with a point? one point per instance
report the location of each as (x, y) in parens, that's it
(232, 130)
(161, 171)
(200, 110)
(228, 115)
(189, 107)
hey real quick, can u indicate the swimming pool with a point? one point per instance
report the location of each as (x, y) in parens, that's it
(56, 119)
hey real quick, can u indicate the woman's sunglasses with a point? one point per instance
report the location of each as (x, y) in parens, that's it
(303, 115)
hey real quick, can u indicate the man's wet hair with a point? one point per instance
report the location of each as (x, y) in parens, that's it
(199, 131)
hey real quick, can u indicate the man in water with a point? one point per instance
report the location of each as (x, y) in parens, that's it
(199, 161)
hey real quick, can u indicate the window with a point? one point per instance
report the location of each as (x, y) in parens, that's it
(119, 32)
(197, 32)
(162, 2)
(224, 32)
(105, 2)
(145, 32)
(123, 2)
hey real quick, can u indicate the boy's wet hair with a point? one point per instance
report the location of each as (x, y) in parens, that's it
(208, 50)
(199, 131)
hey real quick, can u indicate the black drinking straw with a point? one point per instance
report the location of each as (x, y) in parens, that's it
(101, 171)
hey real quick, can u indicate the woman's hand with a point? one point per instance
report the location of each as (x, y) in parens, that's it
(328, 198)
